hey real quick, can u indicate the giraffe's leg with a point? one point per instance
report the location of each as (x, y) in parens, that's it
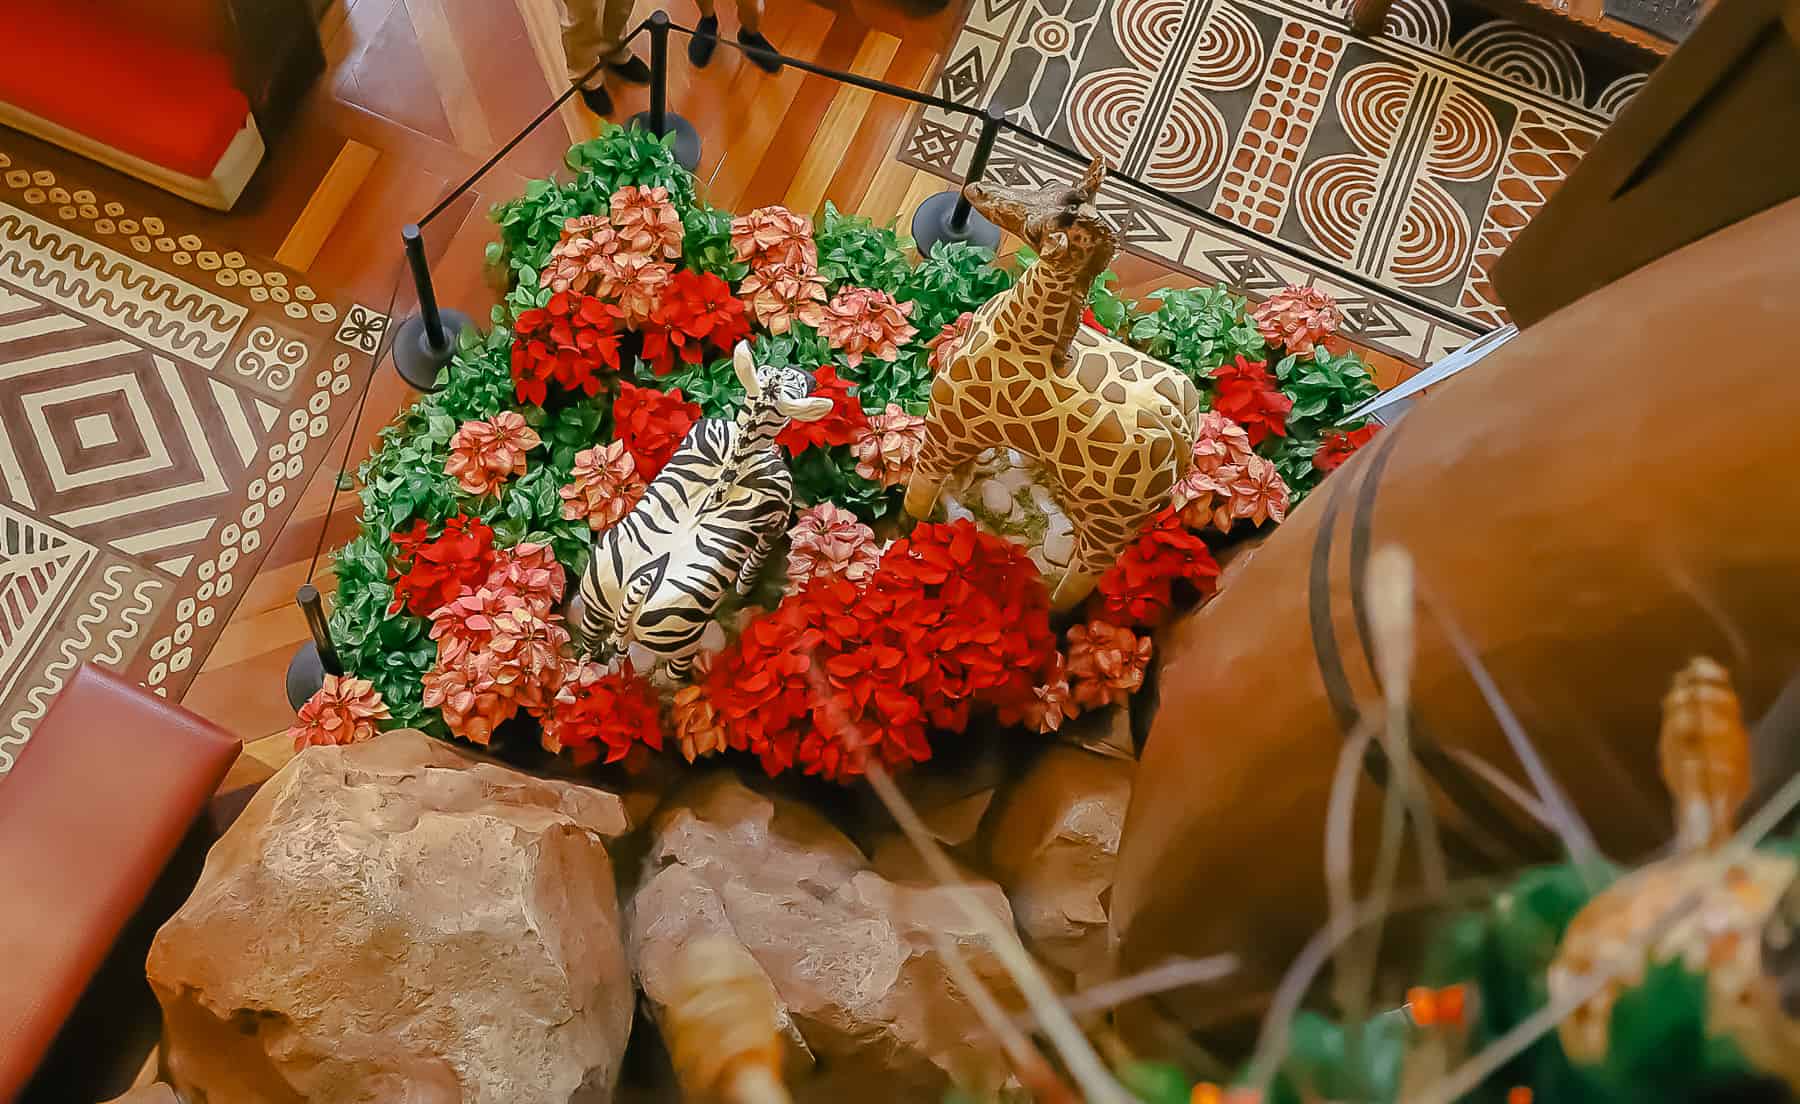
(1103, 529)
(938, 460)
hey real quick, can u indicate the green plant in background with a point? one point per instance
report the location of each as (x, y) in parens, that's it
(906, 380)
(391, 650)
(706, 242)
(1325, 386)
(854, 251)
(956, 277)
(713, 384)
(532, 224)
(829, 475)
(1198, 329)
(630, 155)
(1109, 310)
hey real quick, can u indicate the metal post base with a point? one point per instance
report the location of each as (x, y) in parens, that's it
(687, 139)
(305, 674)
(415, 359)
(931, 225)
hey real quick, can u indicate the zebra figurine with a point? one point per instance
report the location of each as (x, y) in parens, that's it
(707, 520)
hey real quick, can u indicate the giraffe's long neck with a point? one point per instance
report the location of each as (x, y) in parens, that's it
(1044, 308)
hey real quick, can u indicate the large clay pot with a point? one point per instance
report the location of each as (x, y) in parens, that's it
(1615, 491)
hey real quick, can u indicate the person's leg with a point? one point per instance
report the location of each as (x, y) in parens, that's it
(614, 14)
(706, 35)
(761, 50)
(582, 37)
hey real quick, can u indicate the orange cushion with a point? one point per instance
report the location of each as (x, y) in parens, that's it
(77, 65)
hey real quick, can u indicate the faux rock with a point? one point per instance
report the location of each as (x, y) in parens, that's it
(392, 921)
(1053, 843)
(865, 1001)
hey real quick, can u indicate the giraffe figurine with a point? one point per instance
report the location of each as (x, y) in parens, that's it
(1112, 428)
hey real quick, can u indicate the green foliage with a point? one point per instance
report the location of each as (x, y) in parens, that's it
(854, 251)
(531, 225)
(1198, 329)
(829, 475)
(905, 380)
(1324, 387)
(477, 383)
(1110, 310)
(629, 155)
(404, 477)
(1327, 1062)
(713, 384)
(1156, 1083)
(800, 347)
(957, 277)
(392, 651)
(1293, 457)
(706, 242)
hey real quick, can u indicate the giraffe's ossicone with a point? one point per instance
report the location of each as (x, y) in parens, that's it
(1112, 428)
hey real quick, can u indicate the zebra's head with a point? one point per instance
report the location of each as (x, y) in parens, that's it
(777, 395)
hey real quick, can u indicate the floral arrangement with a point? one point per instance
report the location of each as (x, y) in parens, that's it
(864, 640)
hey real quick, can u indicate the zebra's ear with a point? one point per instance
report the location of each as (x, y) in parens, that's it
(746, 369)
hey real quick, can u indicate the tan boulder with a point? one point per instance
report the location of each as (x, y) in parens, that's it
(395, 922)
(851, 956)
(1053, 843)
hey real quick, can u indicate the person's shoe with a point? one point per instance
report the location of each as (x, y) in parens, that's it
(704, 41)
(598, 100)
(761, 51)
(632, 70)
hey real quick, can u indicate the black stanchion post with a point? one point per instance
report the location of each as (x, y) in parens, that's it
(659, 120)
(424, 342)
(948, 216)
(316, 658)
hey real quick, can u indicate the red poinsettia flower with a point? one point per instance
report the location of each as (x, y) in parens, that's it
(1246, 393)
(431, 573)
(595, 711)
(567, 341)
(652, 424)
(697, 310)
(843, 673)
(1139, 589)
(1089, 318)
(1339, 445)
(840, 427)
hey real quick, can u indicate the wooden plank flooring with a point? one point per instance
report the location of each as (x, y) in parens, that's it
(418, 93)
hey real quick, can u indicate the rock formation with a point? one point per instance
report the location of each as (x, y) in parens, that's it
(864, 998)
(394, 922)
(1053, 842)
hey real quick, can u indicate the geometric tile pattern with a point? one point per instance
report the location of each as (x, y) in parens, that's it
(1410, 159)
(163, 401)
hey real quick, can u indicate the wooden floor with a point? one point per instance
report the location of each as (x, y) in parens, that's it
(417, 94)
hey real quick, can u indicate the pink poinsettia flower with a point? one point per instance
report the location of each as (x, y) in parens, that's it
(779, 295)
(774, 236)
(867, 321)
(605, 487)
(1297, 318)
(949, 342)
(888, 447)
(584, 258)
(638, 286)
(647, 221)
(829, 541)
(484, 455)
(344, 710)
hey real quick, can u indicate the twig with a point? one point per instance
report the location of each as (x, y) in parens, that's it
(1033, 1071)
(1177, 974)
(1570, 828)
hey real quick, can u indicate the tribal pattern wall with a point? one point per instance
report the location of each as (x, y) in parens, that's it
(1411, 158)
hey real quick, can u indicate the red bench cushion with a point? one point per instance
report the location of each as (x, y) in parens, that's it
(77, 65)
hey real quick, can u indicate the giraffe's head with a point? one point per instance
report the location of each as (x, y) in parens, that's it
(1061, 225)
(779, 395)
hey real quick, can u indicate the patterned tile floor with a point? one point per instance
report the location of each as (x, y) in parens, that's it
(1410, 159)
(162, 400)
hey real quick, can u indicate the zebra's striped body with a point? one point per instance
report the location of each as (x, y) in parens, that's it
(704, 524)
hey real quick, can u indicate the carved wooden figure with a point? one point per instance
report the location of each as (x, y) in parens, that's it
(1113, 428)
(705, 523)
